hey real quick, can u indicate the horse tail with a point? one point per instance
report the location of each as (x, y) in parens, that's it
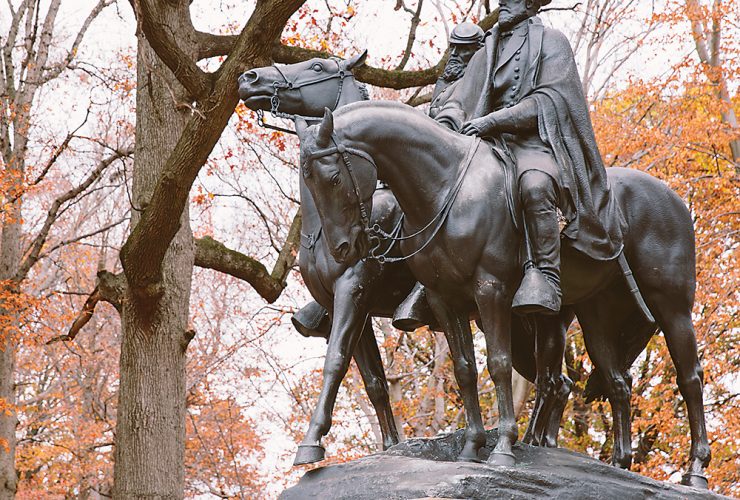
(635, 334)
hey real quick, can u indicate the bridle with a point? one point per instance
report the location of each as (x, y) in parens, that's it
(375, 232)
(286, 84)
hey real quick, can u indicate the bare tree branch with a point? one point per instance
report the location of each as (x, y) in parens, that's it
(54, 71)
(32, 254)
(82, 318)
(415, 19)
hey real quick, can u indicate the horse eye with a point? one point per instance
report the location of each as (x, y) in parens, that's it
(335, 180)
(317, 67)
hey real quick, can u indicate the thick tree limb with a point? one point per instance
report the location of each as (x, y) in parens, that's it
(210, 45)
(144, 250)
(211, 254)
(219, 45)
(289, 252)
(34, 250)
(374, 76)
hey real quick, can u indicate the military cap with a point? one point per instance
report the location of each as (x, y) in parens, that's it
(466, 32)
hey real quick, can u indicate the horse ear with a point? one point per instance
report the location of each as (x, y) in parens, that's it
(326, 129)
(357, 61)
(300, 125)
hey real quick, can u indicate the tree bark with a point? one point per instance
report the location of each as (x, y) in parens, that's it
(150, 430)
(8, 419)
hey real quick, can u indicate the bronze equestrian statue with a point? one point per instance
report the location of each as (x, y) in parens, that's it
(619, 353)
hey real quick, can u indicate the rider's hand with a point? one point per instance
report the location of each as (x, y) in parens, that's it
(480, 126)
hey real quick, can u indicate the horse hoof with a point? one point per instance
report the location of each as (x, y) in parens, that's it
(309, 454)
(500, 459)
(698, 481)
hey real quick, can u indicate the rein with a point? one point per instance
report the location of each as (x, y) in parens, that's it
(286, 84)
(376, 232)
(441, 217)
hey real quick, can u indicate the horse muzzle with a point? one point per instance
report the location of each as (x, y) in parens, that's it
(252, 92)
(353, 249)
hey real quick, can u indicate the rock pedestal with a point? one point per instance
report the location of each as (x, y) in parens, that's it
(425, 468)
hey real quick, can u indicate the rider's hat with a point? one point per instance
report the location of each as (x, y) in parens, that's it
(466, 32)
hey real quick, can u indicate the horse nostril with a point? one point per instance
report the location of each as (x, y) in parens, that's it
(249, 77)
(342, 249)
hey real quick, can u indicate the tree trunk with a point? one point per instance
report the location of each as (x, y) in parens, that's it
(150, 430)
(8, 421)
(10, 257)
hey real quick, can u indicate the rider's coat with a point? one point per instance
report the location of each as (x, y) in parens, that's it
(534, 80)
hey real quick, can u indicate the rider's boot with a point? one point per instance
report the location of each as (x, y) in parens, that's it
(540, 291)
(414, 312)
(312, 320)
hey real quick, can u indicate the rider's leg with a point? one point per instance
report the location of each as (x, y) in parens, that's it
(539, 199)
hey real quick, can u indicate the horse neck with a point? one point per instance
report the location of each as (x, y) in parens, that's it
(418, 158)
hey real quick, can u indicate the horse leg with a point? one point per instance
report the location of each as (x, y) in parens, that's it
(367, 357)
(549, 350)
(348, 322)
(530, 324)
(494, 304)
(678, 330)
(601, 336)
(563, 384)
(552, 387)
(460, 339)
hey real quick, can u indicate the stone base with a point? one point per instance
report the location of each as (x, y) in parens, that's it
(423, 468)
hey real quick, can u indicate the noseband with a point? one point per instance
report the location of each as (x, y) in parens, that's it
(286, 84)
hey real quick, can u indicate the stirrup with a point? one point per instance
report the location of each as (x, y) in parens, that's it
(414, 312)
(536, 295)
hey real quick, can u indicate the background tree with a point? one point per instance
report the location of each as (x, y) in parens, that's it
(31, 61)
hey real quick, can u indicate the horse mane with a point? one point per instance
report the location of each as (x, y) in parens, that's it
(376, 105)
(364, 93)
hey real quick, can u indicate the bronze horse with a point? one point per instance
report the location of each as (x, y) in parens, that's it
(469, 257)
(351, 293)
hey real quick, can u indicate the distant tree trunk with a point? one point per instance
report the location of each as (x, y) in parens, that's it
(8, 421)
(10, 259)
(708, 40)
(150, 431)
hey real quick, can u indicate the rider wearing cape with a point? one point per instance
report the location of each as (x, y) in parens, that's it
(549, 100)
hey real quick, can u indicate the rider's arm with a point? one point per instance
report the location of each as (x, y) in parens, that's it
(522, 117)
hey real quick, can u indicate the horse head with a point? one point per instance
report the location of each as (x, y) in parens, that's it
(303, 88)
(342, 181)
